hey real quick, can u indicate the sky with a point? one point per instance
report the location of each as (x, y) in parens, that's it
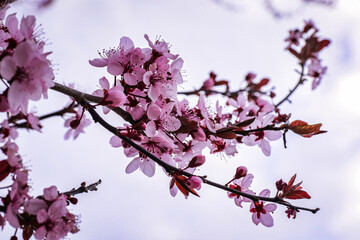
(231, 42)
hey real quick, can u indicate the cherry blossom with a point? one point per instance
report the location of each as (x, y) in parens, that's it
(261, 212)
(241, 185)
(262, 138)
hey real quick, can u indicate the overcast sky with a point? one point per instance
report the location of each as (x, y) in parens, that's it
(209, 37)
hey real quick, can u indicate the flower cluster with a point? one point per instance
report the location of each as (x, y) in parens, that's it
(26, 75)
(145, 86)
(159, 128)
(306, 45)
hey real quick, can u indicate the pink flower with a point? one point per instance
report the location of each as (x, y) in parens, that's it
(161, 47)
(30, 73)
(261, 212)
(34, 122)
(55, 222)
(161, 119)
(241, 185)
(317, 71)
(82, 122)
(262, 138)
(147, 166)
(112, 97)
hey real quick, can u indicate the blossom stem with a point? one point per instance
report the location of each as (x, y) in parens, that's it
(301, 81)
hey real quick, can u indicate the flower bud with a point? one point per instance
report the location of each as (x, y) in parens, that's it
(240, 172)
(197, 161)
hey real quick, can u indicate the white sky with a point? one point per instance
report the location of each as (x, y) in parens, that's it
(208, 38)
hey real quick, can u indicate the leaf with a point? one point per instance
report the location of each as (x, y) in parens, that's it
(298, 194)
(245, 123)
(291, 191)
(304, 129)
(293, 52)
(322, 44)
(4, 169)
(180, 182)
(226, 135)
(187, 125)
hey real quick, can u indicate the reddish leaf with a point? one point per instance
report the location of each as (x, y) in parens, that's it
(262, 83)
(304, 129)
(180, 182)
(298, 194)
(4, 169)
(292, 191)
(322, 44)
(295, 53)
(226, 135)
(245, 123)
(187, 125)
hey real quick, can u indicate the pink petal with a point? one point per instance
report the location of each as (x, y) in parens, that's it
(133, 165)
(127, 45)
(174, 190)
(265, 193)
(267, 220)
(57, 209)
(8, 67)
(130, 79)
(154, 92)
(154, 111)
(265, 147)
(98, 62)
(27, 26)
(11, 217)
(40, 233)
(273, 135)
(270, 207)
(150, 129)
(246, 181)
(172, 124)
(51, 193)
(104, 83)
(148, 167)
(33, 206)
(114, 67)
(255, 219)
(42, 216)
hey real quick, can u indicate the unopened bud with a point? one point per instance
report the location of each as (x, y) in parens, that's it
(240, 172)
(197, 161)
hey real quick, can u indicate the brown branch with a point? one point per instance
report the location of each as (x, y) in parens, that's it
(60, 112)
(266, 128)
(78, 96)
(172, 170)
(225, 93)
(83, 188)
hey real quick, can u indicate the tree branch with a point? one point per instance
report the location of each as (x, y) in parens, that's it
(78, 96)
(172, 170)
(83, 188)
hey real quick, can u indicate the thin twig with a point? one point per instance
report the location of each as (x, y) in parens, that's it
(83, 188)
(301, 81)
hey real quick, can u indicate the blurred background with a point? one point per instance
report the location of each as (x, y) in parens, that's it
(230, 38)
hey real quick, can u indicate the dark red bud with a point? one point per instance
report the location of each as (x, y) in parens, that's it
(280, 185)
(240, 172)
(197, 161)
(75, 123)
